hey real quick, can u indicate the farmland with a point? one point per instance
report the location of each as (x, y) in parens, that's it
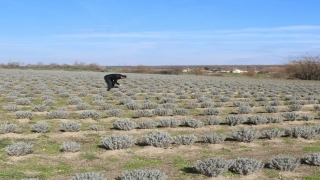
(48, 109)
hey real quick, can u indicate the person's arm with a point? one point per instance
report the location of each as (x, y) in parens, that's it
(115, 78)
(116, 81)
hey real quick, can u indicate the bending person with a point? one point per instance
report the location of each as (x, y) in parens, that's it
(111, 79)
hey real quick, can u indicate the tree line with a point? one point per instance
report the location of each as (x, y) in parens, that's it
(40, 65)
(304, 67)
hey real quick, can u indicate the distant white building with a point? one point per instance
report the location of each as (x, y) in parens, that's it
(238, 71)
(187, 70)
(224, 71)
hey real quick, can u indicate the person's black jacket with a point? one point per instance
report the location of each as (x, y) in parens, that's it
(112, 79)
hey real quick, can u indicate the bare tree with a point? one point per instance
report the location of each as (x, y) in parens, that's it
(306, 67)
(199, 71)
(94, 66)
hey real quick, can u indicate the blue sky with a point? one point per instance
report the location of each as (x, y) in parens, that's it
(158, 32)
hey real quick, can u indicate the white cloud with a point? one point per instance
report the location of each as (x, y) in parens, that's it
(285, 28)
(301, 33)
(242, 46)
(112, 35)
(272, 29)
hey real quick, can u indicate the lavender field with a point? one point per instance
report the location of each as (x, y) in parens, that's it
(61, 125)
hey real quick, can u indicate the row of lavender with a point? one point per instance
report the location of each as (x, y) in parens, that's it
(214, 167)
(209, 167)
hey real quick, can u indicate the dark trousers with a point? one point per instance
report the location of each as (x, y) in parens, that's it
(109, 83)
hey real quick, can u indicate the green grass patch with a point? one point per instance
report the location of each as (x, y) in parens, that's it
(41, 171)
(8, 116)
(206, 152)
(95, 144)
(73, 116)
(89, 156)
(11, 175)
(270, 173)
(51, 108)
(232, 174)
(141, 162)
(220, 131)
(44, 136)
(25, 140)
(180, 133)
(181, 163)
(312, 178)
(99, 168)
(50, 147)
(4, 143)
(127, 115)
(37, 101)
(86, 99)
(32, 160)
(85, 126)
(3, 156)
(25, 108)
(225, 112)
(3, 100)
(315, 176)
(246, 148)
(34, 118)
(195, 111)
(263, 76)
(61, 102)
(112, 159)
(181, 176)
(95, 136)
(222, 152)
(311, 148)
(288, 142)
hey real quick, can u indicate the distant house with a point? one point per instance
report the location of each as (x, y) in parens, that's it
(216, 70)
(238, 71)
(208, 72)
(187, 70)
(224, 71)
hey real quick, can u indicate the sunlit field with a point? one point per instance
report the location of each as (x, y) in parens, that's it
(61, 125)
